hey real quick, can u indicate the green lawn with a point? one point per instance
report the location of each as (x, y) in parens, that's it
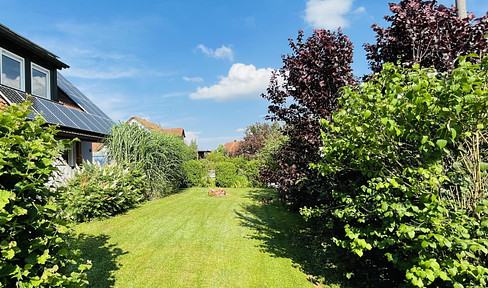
(192, 240)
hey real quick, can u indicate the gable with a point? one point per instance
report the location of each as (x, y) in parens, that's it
(180, 132)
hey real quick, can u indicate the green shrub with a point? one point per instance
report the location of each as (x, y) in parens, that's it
(102, 191)
(251, 171)
(398, 151)
(34, 246)
(226, 175)
(196, 173)
(159, 155)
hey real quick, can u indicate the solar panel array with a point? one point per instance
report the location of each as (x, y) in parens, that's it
(92, 119)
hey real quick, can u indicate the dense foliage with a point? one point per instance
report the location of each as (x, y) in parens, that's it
(226, 175)
(197, 173)
(102, 191)
(237, 172)
(159, 155)
(304, 90)
(413, 209)
(33, 239)
(426, 33)
(255, 138)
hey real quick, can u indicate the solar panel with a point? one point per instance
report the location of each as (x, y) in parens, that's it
(12, 95)
(77, 96)
(92, 119)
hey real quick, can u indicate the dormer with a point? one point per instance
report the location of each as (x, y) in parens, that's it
(27, 67)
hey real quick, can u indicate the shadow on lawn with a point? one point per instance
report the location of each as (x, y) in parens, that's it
(103, 256)
(286, 234)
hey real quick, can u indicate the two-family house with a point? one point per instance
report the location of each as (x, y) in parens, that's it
(30, 72)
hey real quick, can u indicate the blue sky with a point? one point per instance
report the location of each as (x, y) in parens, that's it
(200, 65)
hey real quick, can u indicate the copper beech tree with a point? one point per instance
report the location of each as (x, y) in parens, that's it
(307, 87)
(428, 34)
(303, 91)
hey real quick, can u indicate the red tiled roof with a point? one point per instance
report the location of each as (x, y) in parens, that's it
(232, 147)
(154, 127)
(175, 131)
(96, 146)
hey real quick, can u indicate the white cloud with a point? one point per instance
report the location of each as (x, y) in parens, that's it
(223, 52)
(328, 14)
(360, 10)
(243, 81)
(240, 130)
(193, 79)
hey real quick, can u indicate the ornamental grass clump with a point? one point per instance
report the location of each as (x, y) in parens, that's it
(159, 155)
(34, 246)
(406, 157)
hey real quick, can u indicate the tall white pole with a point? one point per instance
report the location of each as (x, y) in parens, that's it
(461, 6)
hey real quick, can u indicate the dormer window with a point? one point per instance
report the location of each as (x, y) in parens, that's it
(40, 81)
(12, 70)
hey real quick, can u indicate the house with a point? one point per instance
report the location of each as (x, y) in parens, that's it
(232, 147)
(180, 132)
(100, 151)
(31, 73)
(202, 154)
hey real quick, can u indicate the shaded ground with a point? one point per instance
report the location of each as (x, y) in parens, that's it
(285, 234)
(193, 240)
(103, 256)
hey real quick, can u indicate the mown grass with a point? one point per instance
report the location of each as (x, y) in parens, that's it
(192, 240)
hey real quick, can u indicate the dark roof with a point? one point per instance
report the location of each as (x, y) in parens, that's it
(89, 122)
(31, 46)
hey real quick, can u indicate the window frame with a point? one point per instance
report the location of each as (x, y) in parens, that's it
(48, 79)
(17, 58)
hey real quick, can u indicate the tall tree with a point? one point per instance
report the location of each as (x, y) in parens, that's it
(255, 138)
(426, 33)
(303, 91)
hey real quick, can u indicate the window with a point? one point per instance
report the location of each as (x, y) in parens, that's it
(40, 81)
(69, 156)
(12, 69)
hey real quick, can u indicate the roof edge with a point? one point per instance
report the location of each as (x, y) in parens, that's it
(26, 43)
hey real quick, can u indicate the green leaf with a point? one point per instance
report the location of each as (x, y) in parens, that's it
(411, 234)
(483, 166)
(441, 143)
(366, 114)
(424, 139)
(5, 197)
(9, 254)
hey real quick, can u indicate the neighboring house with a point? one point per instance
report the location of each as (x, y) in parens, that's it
(202, 154)
(232, 147)
(180, 132)
(31, 73)
(100, 151)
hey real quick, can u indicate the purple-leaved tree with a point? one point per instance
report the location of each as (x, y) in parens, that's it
(303, 91)
(426, 33)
